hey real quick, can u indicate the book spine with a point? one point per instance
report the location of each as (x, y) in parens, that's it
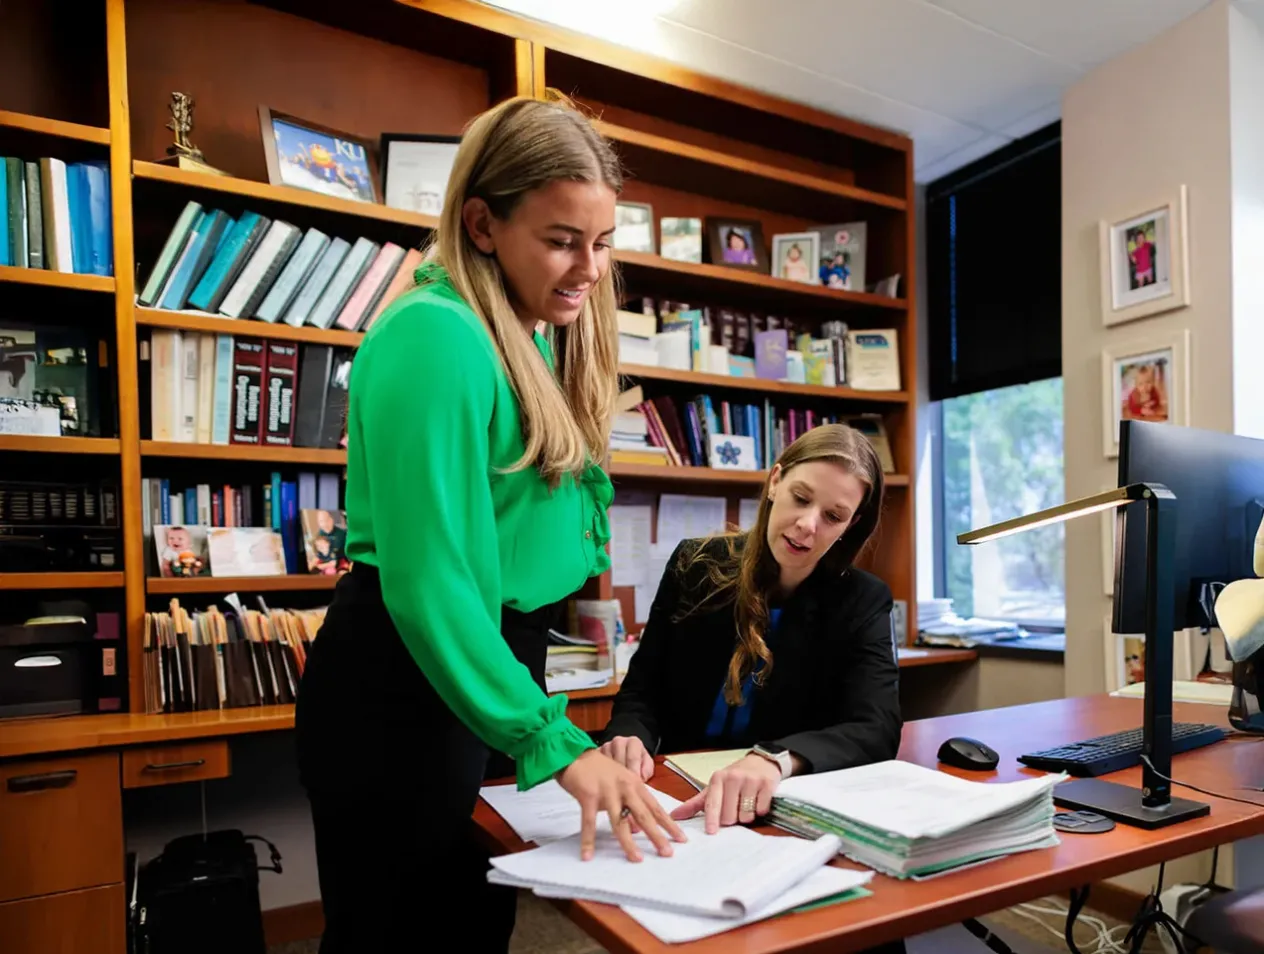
(16, 177)
(269, 277)
(289, 525)
(5, 245)
(276, 501)
(327, 490)
(166, 352)
(336, 399)
(291, 279)
(205, 388)
(248, 361)
(370, 286)
(234, 303)
(57, 252)
(80, 219)
(97, 201)
(282, 369)
(256, 228)
(313, 382)
(34, 217)
(201, 251)
(188, 422)
(176, 241)
(204, 505)
(316, 283)
(404, 280)
(222, 402)
(342, 284)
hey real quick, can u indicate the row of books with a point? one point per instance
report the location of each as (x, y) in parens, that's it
(255, 267)
(227, 389)
(215, 660)
(277, 505)
(57, 216)
(659, 430)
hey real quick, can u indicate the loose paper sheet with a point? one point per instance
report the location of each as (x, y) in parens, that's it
(747, 511)
(681, 516)
(630, 544)
(546, 812)
(654, 570)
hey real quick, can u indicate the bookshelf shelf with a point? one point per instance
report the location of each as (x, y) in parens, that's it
(215, 324)
(644, 152)
(54, 127)
(274, 455)
(718, 279)
(250, 584)
(40, 276)
(282, 194)
(763, 385)
(697, 475)
(87, 580)
(59, 445)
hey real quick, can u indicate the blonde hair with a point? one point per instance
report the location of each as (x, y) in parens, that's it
(745, 572)
(515, 147)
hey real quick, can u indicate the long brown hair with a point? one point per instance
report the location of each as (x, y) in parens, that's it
(510, 150)
(745, 572)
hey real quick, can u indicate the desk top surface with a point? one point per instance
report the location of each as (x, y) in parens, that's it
(904, 908)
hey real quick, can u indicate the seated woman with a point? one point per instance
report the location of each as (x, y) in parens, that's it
(771, 639)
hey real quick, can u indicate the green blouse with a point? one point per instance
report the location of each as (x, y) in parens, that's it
(432, 424)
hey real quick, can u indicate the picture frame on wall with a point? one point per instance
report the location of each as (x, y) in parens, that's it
(737, 243)
(1145, 379)
(634, 227)
(317, 158)
(1145, 260)
(795, 256)
(415, 170)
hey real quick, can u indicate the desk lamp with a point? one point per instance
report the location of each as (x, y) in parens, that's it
(1153, 806)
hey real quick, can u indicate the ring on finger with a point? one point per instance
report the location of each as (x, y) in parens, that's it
(625, 812)
(747, 805)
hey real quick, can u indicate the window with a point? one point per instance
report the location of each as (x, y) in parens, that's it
(1001, 457)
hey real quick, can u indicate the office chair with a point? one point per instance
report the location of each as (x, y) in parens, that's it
(1231, 923)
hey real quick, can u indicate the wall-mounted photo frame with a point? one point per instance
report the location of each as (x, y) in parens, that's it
(737, 243)
(1144, 379)
(1145, 260)
(795, 256)
(415, 170)
(310, 156)
(634, 227)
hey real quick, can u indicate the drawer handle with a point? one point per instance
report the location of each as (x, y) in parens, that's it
(39, 783)
(168, 766)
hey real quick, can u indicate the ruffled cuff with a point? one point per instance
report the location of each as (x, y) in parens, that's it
(551, 749)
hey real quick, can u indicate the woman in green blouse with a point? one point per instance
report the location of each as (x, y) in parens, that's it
(473, 507)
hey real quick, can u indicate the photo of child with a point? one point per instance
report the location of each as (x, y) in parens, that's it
(325, 541)
(1133, 648)
(842, 255)
(1143, 387)
(835, 271)
(795, 256)
(1140, 240)
(182, 551)
(739, 246)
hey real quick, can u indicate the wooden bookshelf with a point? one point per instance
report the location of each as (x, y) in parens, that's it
(286, 195)
(87, 580)
(219, 325)
(687, 475)
(59, 445)
(54, 127)
(251, 584)
(70, 280)
(730, 382)
(270, 455)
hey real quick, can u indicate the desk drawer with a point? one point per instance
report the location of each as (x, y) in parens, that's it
(166, 764)
(72, 923)
(61, 825)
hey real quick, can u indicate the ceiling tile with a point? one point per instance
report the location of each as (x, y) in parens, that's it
(928, 172)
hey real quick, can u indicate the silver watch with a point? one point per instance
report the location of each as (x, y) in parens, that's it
(779, 755)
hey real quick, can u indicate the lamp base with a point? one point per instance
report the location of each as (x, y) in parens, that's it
(1123, 803)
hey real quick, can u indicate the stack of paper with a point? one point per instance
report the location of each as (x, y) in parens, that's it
(696, 768)
(913, 822)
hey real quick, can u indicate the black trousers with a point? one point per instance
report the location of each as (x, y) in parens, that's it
(392, 776)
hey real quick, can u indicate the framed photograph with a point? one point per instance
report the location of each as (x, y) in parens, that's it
(1145, 260)
(309, 156)
(634, 227)
(416, 169)
(737, 243)
(681, 239)
(1124, 663)
(181, 551)
(245, 551)
(1144, 380)
(795, 256)
(325, 541)
(842, 255)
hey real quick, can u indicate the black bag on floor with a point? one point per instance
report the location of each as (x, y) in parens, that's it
(201, 896)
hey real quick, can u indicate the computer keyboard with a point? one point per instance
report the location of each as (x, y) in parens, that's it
(1121, 750)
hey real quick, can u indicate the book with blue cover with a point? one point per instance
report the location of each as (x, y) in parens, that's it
(100, 252)
(195, 261)
(231, 256)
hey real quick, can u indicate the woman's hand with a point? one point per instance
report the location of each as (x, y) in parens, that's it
(735, 794)
(629, 751)
(601, 784)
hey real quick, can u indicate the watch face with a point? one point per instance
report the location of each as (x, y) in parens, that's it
(772, 748)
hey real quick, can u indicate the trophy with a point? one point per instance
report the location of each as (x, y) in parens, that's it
(182, 153)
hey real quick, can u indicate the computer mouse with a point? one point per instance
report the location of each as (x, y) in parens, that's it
(970, 754)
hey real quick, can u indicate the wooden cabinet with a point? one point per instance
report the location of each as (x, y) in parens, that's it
(166, 764)
(75, 922)
(61, 825)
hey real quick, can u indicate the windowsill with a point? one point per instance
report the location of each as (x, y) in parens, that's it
(1037, 647)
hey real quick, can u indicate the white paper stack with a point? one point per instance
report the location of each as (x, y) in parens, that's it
(913, 822)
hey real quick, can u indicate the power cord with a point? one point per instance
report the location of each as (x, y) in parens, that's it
(1202, 791)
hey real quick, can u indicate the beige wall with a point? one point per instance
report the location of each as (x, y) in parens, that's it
(1132, 130)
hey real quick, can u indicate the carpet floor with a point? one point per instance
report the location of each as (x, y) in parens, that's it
(542, 930)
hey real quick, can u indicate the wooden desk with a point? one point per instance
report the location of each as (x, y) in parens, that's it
(903, 908)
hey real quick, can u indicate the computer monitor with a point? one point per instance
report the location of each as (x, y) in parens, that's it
(1218, 480)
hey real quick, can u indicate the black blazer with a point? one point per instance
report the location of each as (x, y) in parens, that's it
(832, 696)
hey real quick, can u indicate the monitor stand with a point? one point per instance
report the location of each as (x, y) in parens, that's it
(1123, 803)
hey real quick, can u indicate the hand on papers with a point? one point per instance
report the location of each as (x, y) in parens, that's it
(751, 778)
(629, 751)
(600, 784)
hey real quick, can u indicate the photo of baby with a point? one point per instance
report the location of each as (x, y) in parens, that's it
(795, 256)
(182, 551)
(325, 541)
(1143, 387)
